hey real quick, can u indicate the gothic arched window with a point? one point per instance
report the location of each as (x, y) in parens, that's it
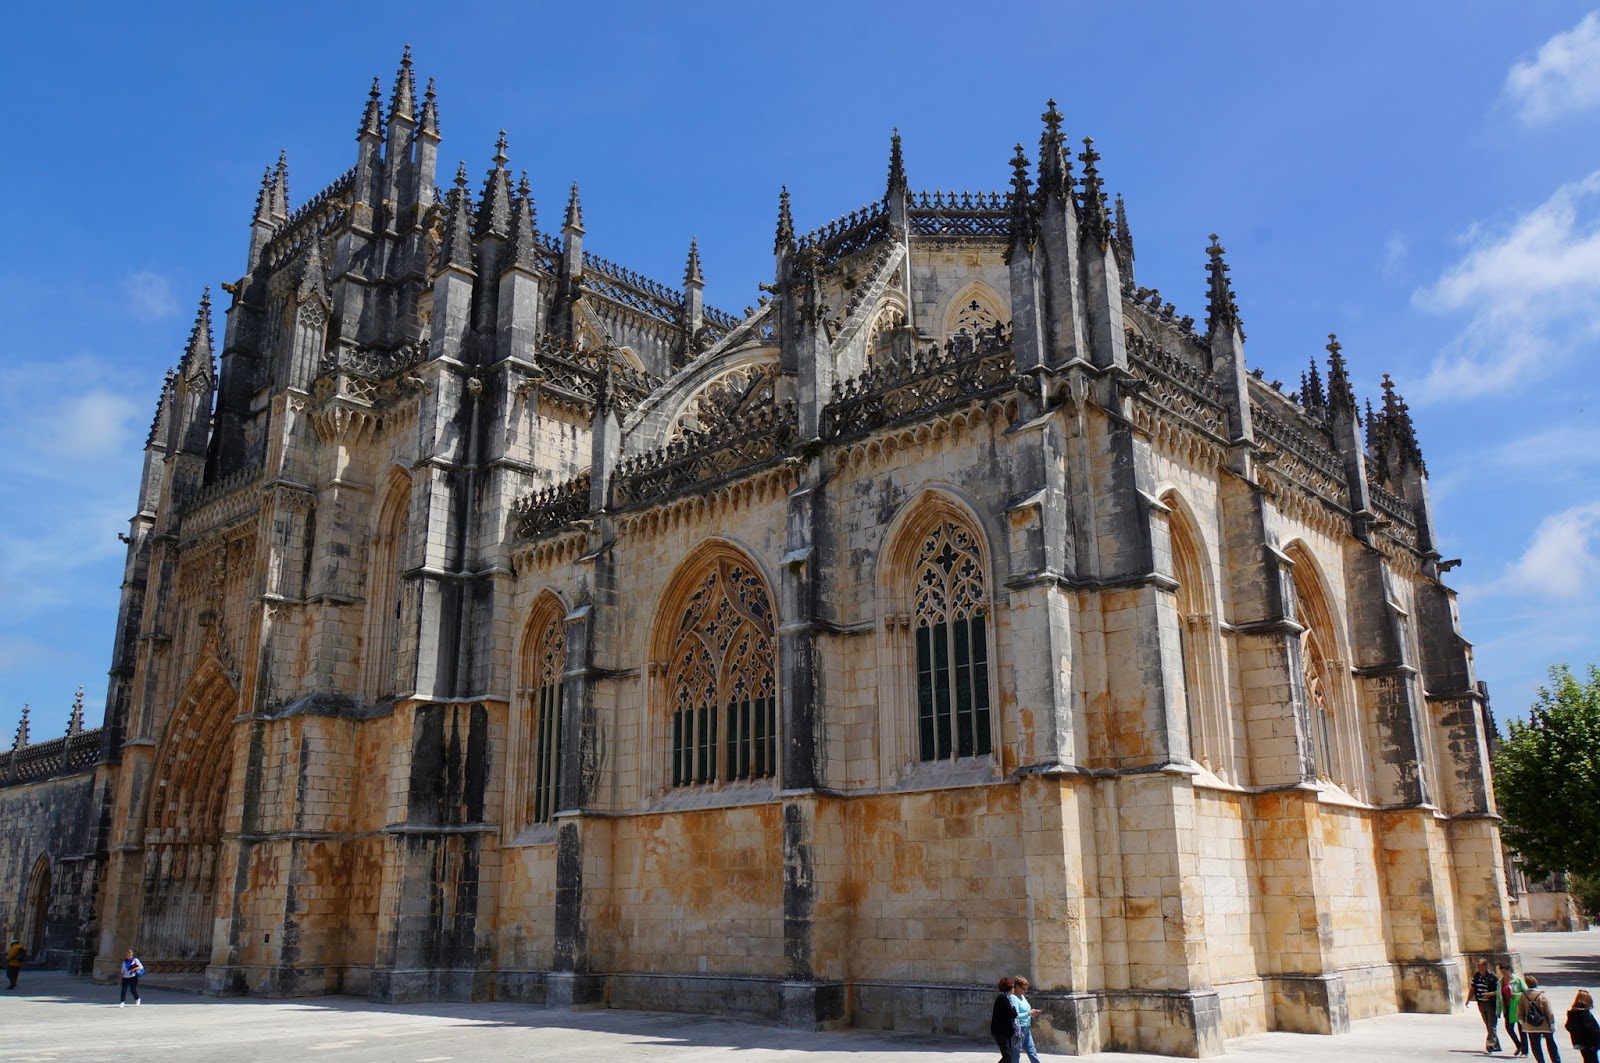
(391, 642)
(722, 678)
(950, 626)
(538, 737)
(1335, 735)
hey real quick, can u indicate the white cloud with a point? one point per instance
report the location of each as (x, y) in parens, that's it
(1559, 565)
(1532, 289)
(1562, 78)
(1395, 251)
(149, 295)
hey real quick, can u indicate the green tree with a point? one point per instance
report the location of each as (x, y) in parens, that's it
(1547, 778)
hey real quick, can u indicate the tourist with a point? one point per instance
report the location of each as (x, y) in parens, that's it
(14, 957)
(1536, 1020)
(1003, 1022)
(1025, 1014)
(131, 970)
(1507, 1004)
(1583, 1029)
(1483, 992)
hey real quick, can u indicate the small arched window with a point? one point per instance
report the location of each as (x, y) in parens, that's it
(722, 677)
(950, 623)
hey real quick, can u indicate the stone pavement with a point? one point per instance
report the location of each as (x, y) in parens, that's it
(53, 1018)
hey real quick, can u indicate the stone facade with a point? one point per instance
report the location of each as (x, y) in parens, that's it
(500, 623)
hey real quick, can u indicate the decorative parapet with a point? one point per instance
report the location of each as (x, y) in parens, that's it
(220, 501)
(66, 755)
(1177, 387)
(1301, 458)
(581, 377)
(919, 382)
(373, 364)
(1395, 513)
(698, 460)
(843, 237)
(959, 214)
(321, 213)
(550, 508)
(622, 285)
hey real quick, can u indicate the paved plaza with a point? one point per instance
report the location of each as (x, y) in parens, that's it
(54, 1018)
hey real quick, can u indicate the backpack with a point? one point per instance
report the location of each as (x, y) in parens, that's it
(1535, 1014)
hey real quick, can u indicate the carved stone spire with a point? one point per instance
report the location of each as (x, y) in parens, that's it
(785, 238)
(21, 739)
(372, 120)
(1055, 171)
(1397, 434)
(574, 218)
(1123, 239)
(313, 279)
(897, 167)
(1372, 427)
(1096, 223)
(1221, 310)
(1312, 397)
(430, 114)
(1024, 226)
(523, 241)
(264, 200)
(198, 363)
(1340, 396)
(405, 88)
(75, 721)
(494, 212)
(161, 423)
(280, 188)
(691, 270)
(456, 247)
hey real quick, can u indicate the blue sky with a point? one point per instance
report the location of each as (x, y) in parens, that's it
(1421, 178)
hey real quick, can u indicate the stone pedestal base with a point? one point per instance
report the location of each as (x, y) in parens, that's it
(417, 985)
(1310, 1003)
(1429, 987)
(566, 989)
(812, 1005)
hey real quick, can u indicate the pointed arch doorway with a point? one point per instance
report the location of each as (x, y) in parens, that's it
(183, 827)
(38, 911)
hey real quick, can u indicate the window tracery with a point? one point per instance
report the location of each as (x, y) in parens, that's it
(950, 629)
(544, 659)
(722, 679)
(974, 317)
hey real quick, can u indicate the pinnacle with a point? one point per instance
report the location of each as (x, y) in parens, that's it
(430, 113)
(574, 219)
(372, 118)
(280, 187)
(500, 155)
(405, 89)
(691, 271)
(1051, 119)
(494, 213)
(461, 173)
(897, 166)
(264, 198)
(1340, 395)
(522, 226)
(75, 721)
(1221, 308)
(21, 739)
(1124, 234)
(785, 238)
(1094, 195)
(1023, 227)
(197, 357)
(1055, 171)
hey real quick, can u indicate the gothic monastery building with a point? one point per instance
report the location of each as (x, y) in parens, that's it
(499, 623)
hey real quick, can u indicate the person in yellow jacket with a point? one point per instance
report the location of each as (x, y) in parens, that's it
(1509, 1005)
(14, 957)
